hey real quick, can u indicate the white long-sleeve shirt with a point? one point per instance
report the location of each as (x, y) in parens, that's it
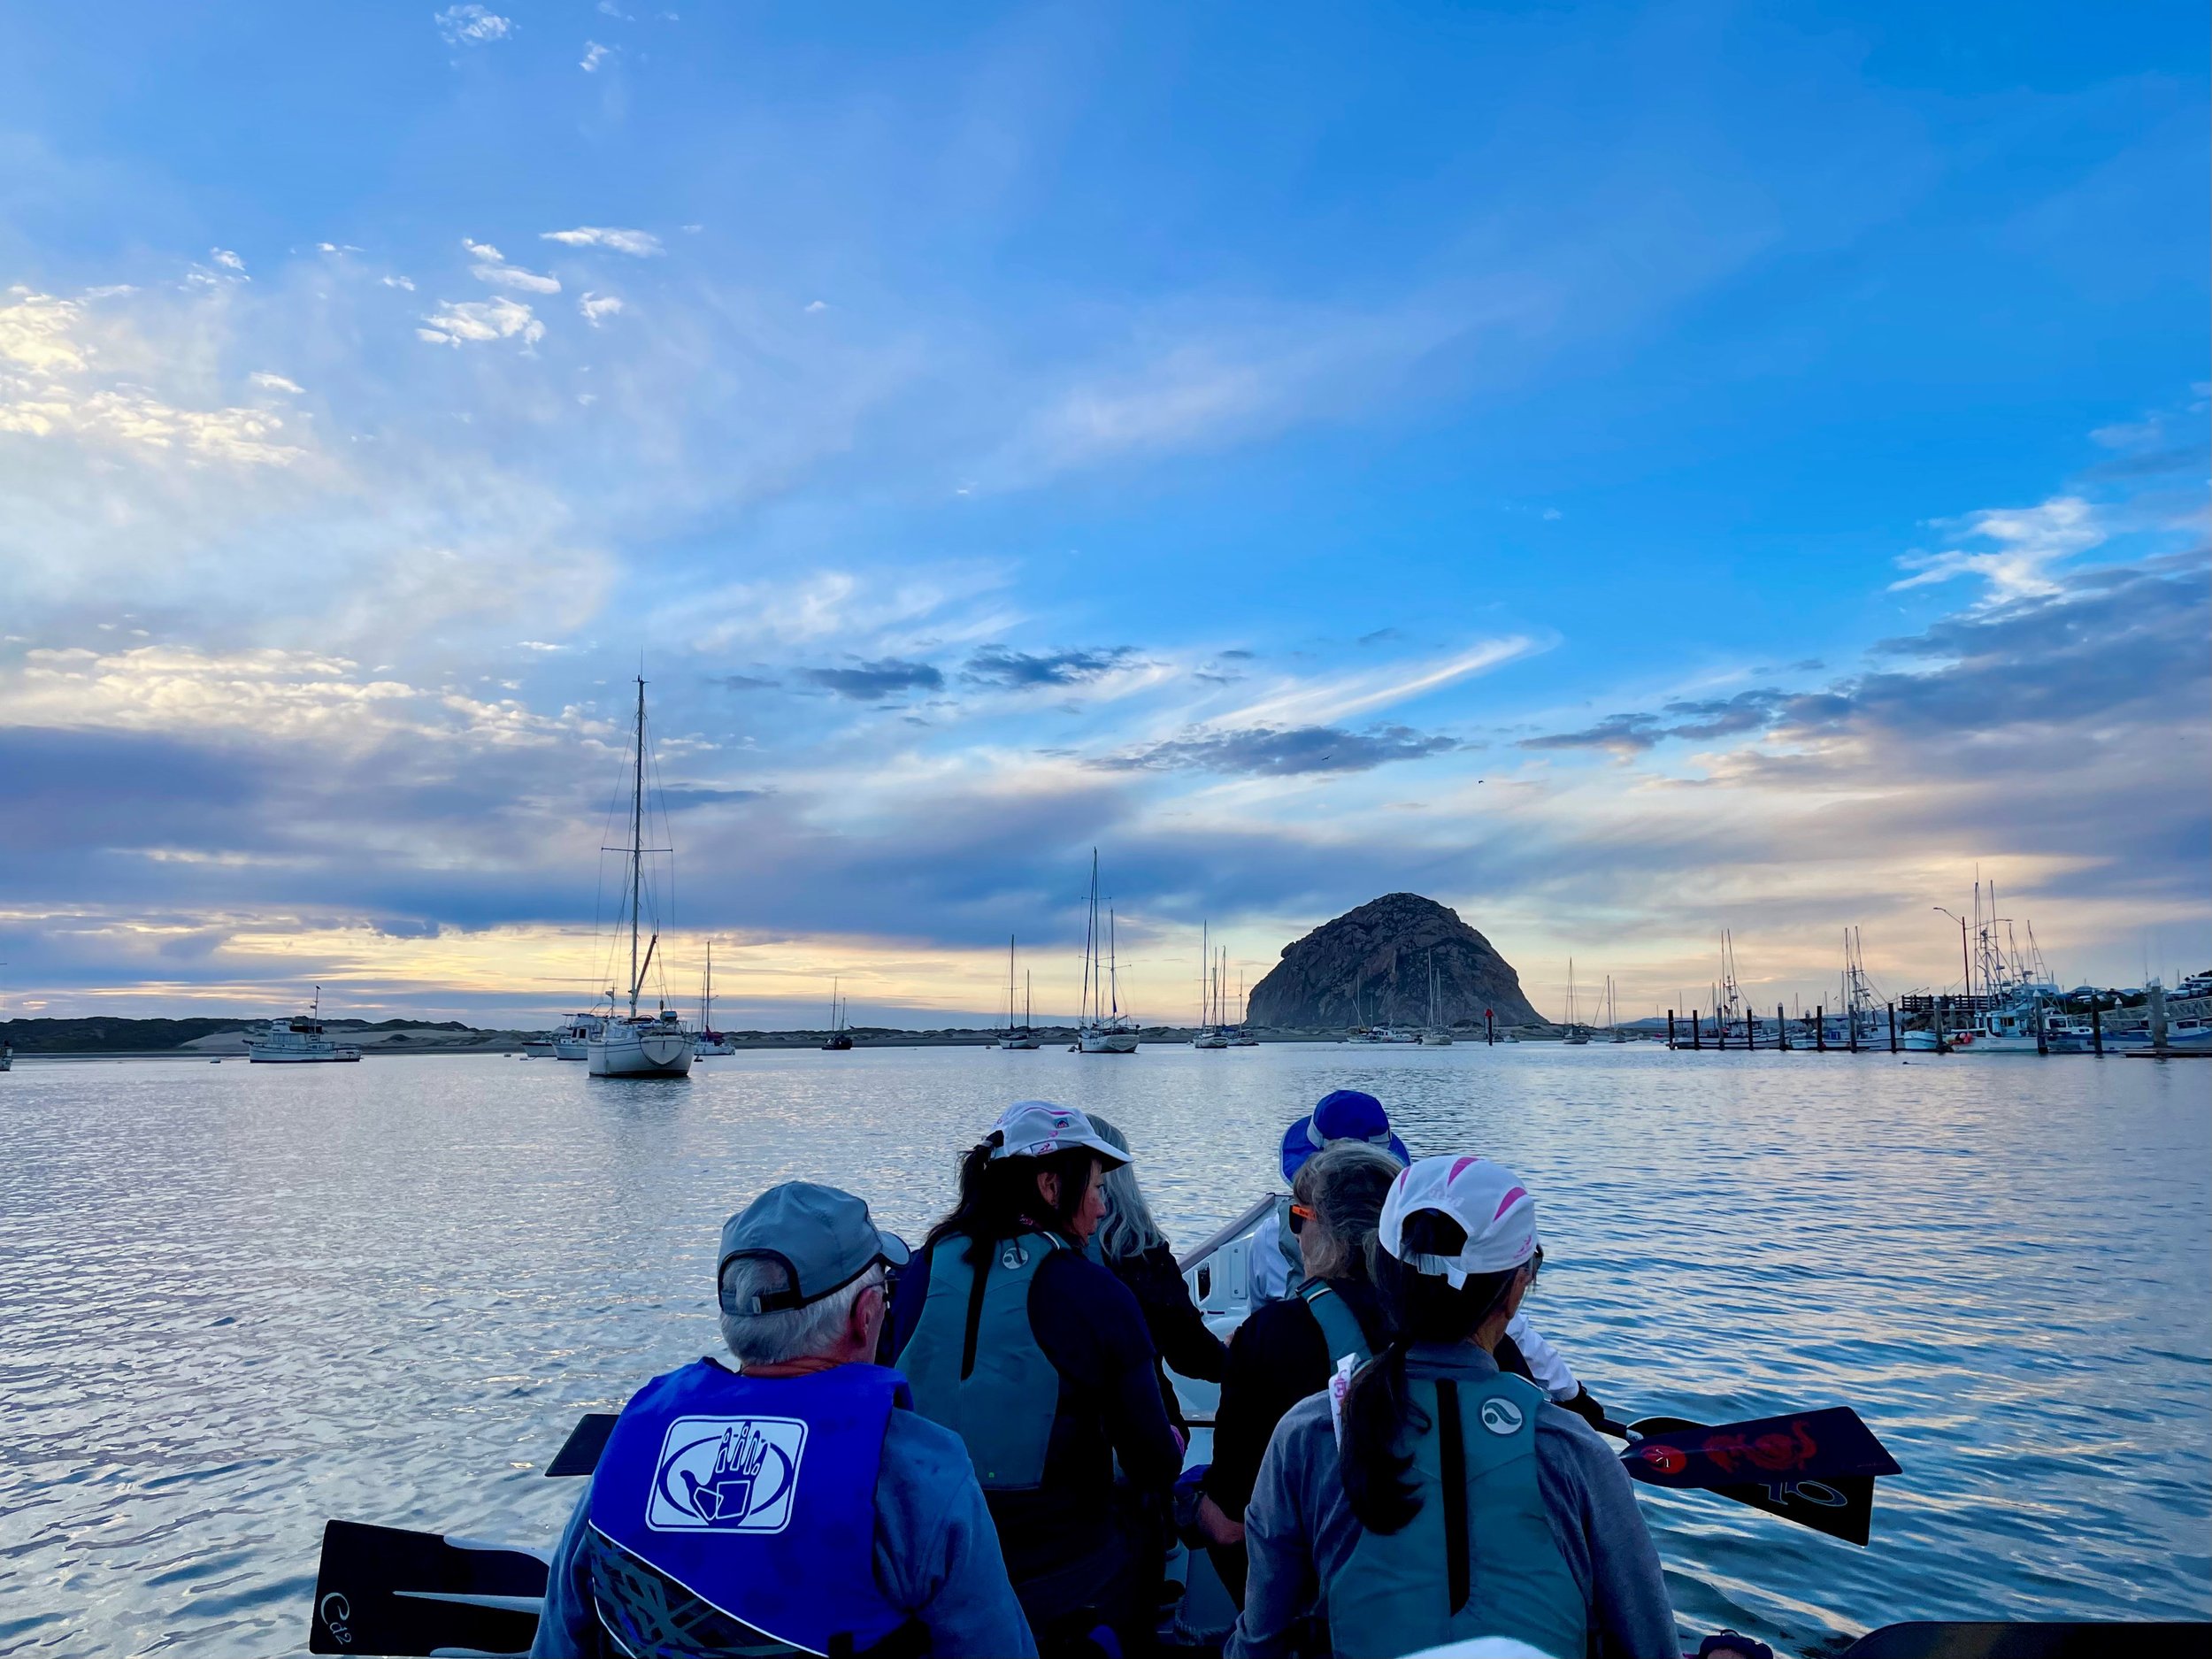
(1271, 1275)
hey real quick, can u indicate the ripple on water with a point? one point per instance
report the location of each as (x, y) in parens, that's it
(239, 1300)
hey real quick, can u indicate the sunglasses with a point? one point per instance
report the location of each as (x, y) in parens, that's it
(1299, 1215)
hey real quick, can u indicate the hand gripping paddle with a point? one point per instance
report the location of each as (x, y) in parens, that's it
(1815, 1468)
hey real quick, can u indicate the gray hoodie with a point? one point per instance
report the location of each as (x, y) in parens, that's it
(1299, 1528)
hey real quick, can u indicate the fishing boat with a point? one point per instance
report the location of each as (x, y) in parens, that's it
(840, 1037)
(707, 1040)
(1101, 1028)
(638, 1044)
(1022, 1036)
(300, 1041)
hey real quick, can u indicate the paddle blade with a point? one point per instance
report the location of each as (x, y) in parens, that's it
(1842, 1507)
(579, 1453)
(1806, 1446)
(381, 1590)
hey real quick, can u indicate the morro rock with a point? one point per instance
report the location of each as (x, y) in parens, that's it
(1370, 966)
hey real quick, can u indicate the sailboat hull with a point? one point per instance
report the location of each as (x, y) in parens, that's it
(1024, 1039)
(631, 1053)
(1107, 1042)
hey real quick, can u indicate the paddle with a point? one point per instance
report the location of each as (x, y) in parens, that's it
(580, 1452)
(381, 1590)
(1815, 1468)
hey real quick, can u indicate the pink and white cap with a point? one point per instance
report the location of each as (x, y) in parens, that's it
(1037, 1128)
(1487, 1199)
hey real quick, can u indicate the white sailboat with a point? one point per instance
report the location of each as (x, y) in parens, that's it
(708, 1040)
(1023, 1036)
(1240, 1034)
(1575, 1035)
(1101, 1028)
(1439, 1035)
(299, 1040)
(839, 1040)
(1213, 1032)
(636, 1044)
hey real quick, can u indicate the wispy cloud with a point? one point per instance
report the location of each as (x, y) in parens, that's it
(2031, 543)
(458, 322)
(488, 265)
(871, 682)
(1267, 751)
(595, 55)
(1339, 697)
(473, 25)
(996, 665)
(594, 308)
(638, 243)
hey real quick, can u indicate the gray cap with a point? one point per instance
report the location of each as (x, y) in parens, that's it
(822, 1238)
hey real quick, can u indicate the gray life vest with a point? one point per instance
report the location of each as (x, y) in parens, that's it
(1339, 1326)
(1478, 1558)
(973, 1364)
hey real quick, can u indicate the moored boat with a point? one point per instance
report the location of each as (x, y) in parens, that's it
(1102, 1027)
(638, 1044)
(300, 1041)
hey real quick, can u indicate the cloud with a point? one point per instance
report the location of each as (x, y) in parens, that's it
(52, 386)
(595, 55)
(225, 257)
(497, 318)
(2031, 542)
(812, 307)
(1632, 734)
(269, 382)
(1269, 751)
(473, 25)
(593, 307)
(398, 282)
(490, 266)
(1327, 700)
(638, 243)
(871, 682)
(996, 665)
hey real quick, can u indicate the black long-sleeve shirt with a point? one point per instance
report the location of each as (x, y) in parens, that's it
(1093, 1330)
(1277, 1357)
(1180, 1333)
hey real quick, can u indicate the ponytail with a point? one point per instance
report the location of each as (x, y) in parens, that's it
(1379, 1415)
(999, 1196)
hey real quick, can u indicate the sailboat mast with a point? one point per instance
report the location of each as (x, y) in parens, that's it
(637, 838)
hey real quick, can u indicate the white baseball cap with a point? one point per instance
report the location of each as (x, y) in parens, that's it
(1037, 1128)
(1484, 1198)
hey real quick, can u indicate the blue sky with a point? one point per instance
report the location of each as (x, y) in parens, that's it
(1624, 472)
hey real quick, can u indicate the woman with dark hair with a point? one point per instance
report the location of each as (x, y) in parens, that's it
(1287, 1350)
(1461, 1503)
(1039, 1359)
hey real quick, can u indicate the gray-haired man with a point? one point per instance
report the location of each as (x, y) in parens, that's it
(790, 1504)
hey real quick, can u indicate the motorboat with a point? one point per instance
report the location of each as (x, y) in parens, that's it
(538, 1048)
(300, 1041)
(573, 1040)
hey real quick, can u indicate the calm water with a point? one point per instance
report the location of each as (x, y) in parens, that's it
(236, 1301)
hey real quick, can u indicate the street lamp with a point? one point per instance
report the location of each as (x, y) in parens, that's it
(1965, 970)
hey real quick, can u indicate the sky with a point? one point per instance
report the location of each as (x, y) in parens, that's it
(1625, 471)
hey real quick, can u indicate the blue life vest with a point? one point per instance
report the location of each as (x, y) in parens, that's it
(737, 1514)
(1339, 1326)
(974, 1360)
(1478, 1558)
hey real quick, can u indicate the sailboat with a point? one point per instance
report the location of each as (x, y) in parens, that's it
(1613, 1015)
(635, 1044)
(1575, 1033)
(1240, 1034)
(840, 1036)
(1439, 1035)
(1101, 1028)
(708, 1041)
(1023, 1036)
(1211, 1033)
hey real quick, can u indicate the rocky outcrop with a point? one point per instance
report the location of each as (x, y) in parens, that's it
(1370, 966)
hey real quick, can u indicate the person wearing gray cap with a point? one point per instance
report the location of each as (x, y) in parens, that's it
(792, 1505)
(1040, 1358)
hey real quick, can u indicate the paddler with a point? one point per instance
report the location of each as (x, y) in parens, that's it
(1277, 1269)
(1455, 1502)
(1039, 1358)
(791, 1503)
(1285, 1351)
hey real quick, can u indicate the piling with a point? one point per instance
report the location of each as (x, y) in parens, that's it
(1781, 1031)
(2157, 1000)
(2096, 1026)
(1820, 1029)
(1696, 1042)
(1669, 1028)
(1489, 1026)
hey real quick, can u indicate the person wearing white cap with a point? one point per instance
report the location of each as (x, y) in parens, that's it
(1438, 1499)
(1039, 1358)
(793, 1504)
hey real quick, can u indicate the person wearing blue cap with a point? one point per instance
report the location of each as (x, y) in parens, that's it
(794, 1504)
(1277, 1271)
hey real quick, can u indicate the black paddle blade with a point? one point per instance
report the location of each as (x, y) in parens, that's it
(2144, 1640)
(1842, 1507)
(579, 1453)
(381, 1590)
(1806, 1446)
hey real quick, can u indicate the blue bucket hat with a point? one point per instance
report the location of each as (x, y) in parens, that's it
(1347, 1115)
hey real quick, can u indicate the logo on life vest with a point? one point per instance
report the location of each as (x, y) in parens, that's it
(727, 1475)
(1013, 1257)
(1501, 1417)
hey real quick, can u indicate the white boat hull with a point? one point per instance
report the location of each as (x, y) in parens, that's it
(1022, 1040)
(625, 1053)
(1107, 1042)
(538, 1050)
(1917, 1042)
(337, 1057)
(703, 1047)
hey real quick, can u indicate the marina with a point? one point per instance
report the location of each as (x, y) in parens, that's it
(413, 1353)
